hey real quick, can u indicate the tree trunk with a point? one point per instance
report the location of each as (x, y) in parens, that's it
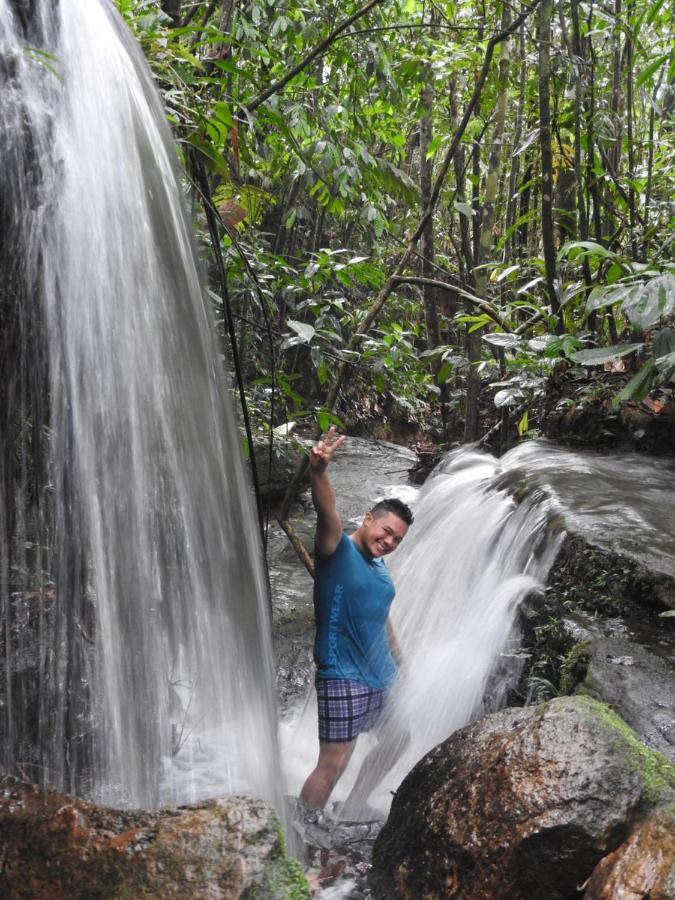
(547, 233)
(471, 424)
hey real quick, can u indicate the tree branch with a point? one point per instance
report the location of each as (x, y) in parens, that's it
(483, 305)
(320, 48)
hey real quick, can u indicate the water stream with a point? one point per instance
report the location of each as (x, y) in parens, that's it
(136, 659)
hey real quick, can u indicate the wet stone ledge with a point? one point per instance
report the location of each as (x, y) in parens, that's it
(56, 846)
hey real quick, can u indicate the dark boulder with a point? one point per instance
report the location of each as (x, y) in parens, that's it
(55, 846)
(520, 805)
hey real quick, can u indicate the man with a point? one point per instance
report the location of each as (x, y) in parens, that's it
(355, 649)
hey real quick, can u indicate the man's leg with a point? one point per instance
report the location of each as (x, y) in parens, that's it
(333, 759)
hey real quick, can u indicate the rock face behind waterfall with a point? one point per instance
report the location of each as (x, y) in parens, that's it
(524, 804)
(57, 846)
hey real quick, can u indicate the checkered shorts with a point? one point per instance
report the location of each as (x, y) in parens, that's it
(346, 708)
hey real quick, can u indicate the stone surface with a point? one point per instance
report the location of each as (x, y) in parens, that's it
(520, 805)
(56, 846)
(630, 667)
(642, 867)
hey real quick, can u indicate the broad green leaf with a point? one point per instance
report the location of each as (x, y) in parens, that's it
(530, 284)
(209, 152)
(647, 73)
(601, 355)
(434, 145)
(524, 424)
(463, 208)
(509, 270)
(506, 341)
(666, 366)
(444, 373)
(639, 385)
(603, 296)
(304, 331)
(656, 299)
(508, 397)
(575, 250)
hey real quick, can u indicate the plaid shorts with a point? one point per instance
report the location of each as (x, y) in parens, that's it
(346, 708)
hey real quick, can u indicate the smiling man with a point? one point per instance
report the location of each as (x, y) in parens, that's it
(355, 650)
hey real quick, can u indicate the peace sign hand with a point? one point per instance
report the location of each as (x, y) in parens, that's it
(322, 453)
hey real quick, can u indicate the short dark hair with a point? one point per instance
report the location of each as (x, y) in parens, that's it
(395, 506)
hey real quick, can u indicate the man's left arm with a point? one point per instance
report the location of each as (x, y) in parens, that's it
(394, 647)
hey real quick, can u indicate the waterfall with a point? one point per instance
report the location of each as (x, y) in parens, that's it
(135, 648)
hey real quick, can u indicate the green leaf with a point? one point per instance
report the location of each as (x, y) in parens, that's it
(524, 424)
(209, 152)
(222, 111)
(304, 331)
(463, 208)
(575, 250)
(639, 385)
(647, 73)
(656, 299)
(601, 355)
(325, 418)
(505, 341)
(668, 614)
(434, 145)
(444, 373)
(603, 296)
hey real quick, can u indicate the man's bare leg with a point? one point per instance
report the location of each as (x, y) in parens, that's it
(333, 759)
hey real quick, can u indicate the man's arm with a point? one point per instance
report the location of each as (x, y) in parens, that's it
(394, 647)
(328, 524)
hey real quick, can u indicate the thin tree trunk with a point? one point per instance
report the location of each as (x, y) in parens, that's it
(511, 203)
(471, 424)
(632, 211)
(547, 232)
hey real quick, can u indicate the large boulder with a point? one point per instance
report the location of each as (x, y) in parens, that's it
(643, 866)
(54, 846)
(520, 805)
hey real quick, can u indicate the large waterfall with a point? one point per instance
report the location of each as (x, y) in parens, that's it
(135, 650)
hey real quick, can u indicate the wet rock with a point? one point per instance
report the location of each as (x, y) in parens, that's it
(522, 804)
(55, 846)
(643, 866)
(629, 665)
(286, 457)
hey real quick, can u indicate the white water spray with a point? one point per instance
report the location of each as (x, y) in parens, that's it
(155, 682)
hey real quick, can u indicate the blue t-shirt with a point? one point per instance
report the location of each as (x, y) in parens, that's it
(352, 596)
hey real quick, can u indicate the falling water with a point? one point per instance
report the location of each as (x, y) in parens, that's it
(136, 662)
(485, 536)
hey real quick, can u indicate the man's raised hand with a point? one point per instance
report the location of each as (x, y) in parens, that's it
(322, 452)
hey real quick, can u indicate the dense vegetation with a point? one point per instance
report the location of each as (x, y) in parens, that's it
(422, 210)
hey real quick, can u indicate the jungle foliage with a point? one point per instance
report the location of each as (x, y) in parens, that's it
(428, 206)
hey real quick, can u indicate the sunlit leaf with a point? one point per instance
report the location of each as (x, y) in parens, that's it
(304, 331)
(506, 341)
(601, 355)
(645, 307)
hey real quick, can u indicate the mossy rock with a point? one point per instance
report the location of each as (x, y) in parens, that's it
(54, 845)
(524, 803)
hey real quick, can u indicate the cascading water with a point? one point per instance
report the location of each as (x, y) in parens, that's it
(136, 659)
(486, 534)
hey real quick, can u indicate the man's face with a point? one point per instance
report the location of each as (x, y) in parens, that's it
(383, 534)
